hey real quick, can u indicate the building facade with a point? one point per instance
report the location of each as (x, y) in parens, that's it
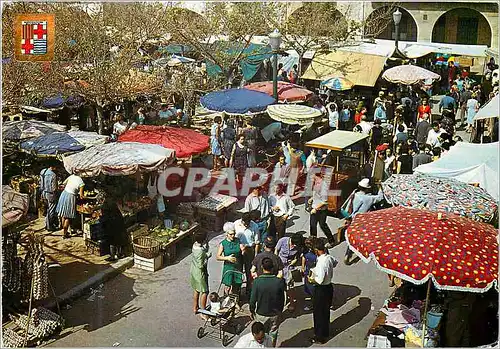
(459, 22)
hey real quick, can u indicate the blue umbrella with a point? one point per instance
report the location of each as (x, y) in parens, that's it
(237, 101)
(52, 144)
(54, 102)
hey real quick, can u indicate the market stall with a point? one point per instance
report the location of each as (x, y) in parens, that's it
(124, 160)
(185, 142)
(52, 144)
(211, 211)
(436, 249)
(468, 163)
(343, 162)
(287, 92)
(119, 159)
(440, 194)
(14, 132)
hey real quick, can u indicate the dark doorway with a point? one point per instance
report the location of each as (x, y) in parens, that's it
(467, 30)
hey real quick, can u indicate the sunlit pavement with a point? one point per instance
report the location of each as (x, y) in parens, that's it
(139, 308)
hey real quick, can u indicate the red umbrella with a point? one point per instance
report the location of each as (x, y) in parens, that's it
(184, 141)
(456, 253)
(287, 92)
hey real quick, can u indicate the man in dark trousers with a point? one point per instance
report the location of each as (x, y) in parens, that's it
(48, 192)
(268, 299)
(322, 278)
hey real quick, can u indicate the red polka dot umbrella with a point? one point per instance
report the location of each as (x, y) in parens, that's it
(455, 252)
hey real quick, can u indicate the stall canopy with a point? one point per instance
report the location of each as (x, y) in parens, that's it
(292, 114)
(359, 68)
(440, 194)
(119, 159)
(14, 205)
(253, 56)
(454, 253)
(175, 49)
(489, 110)
(469, 163)
(287, 92)
(184, 141)
(337, 140)
(292, 58)
(409, 75)
(52, 144)
(88, 139)
(236, 101)
(14, 131)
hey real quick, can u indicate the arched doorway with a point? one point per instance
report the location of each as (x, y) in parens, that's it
(462, 26)
(380, 25)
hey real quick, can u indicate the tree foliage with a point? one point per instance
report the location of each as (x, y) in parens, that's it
(222, 26)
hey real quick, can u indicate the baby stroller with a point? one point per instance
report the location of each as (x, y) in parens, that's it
(218, 323)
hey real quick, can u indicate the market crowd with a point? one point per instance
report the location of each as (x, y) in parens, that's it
(403, 134)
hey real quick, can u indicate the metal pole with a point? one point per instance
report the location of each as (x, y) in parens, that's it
(275, 76)
(397, 36)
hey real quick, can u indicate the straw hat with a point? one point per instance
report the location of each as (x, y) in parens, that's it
(364, 183)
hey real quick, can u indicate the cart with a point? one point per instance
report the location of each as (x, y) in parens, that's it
(219, 323)
(344, 162)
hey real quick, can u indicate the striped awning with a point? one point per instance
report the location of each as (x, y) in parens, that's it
(293, 114)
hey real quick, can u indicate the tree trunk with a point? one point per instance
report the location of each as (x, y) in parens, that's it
(100, 117)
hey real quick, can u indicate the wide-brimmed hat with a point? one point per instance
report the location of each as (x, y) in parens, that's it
(364, 183)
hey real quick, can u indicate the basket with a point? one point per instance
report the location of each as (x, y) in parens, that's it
(146, 247)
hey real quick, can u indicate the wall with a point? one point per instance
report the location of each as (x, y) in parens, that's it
(426, 14)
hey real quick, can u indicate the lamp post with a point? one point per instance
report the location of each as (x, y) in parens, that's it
(275, 43)
(396, 16)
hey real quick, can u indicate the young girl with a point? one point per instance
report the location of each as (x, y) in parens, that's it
(199, 272)
(308, 262)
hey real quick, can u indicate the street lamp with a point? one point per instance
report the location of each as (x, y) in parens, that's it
(275, 43)
(396, 16)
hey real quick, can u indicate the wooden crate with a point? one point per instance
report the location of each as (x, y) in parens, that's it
(149, 264)
(211, 220)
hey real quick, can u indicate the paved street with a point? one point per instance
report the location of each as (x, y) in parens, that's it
(139, 308)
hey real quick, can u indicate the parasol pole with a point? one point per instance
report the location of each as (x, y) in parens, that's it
(424, 323)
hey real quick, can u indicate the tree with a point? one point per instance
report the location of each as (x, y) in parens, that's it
(25, 82)
(319, 26)
(223, 35)
(97, 45)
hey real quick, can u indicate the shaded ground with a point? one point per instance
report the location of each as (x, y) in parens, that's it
(77, 264)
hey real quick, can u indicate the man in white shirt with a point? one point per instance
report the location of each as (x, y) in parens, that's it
(282, 207)
(319, 210)
(256, 201)
(433, 136)
(365, 125)
(322, 278)
(248, 235)
(119, 126)
(258, 338)
(333, 116)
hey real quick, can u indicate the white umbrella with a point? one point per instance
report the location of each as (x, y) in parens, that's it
(409, 75)
(489, 110)
(294, 114)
